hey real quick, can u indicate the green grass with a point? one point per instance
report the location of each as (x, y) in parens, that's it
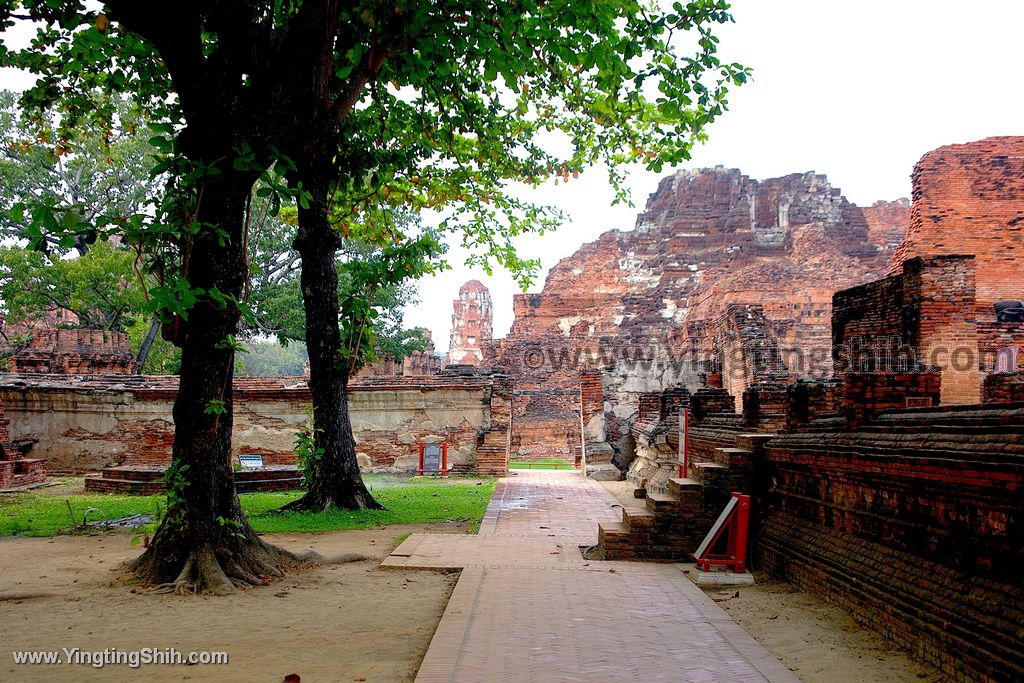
(418, 500)
(541, 464)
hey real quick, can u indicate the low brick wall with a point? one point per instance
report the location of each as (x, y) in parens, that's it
(88, 423)
(1004, 387)
(914, 525)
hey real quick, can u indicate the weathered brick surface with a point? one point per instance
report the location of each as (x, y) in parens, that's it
(1004, 387)
(75, 352)
(16, 470)
(708, 239)
(472, 324)
(923, 317)
(87, 423)
(914, 524)
(969, 199)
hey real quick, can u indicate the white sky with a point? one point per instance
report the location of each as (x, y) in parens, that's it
(856, 90)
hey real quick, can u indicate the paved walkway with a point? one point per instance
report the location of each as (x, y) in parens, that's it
(529, 607)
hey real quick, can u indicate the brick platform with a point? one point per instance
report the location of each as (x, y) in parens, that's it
(144, 481)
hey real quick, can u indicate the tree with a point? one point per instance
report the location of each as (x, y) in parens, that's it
(335, 355)
(107, 176)
(99, 288)
(359, 105)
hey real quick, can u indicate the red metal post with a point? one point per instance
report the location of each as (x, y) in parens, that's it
(420, 470)
(444, 459)
(684, 442)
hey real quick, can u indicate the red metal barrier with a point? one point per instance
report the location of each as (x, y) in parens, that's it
(735, 523)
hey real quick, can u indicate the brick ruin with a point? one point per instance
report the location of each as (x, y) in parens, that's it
(17, 471)
(122, 424)
(417, 364)
(967, 200)
(892, 488)
(75, 352)
(472, 324)
(654, 307)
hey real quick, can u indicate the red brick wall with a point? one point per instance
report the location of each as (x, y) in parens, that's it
(914, 531)
(76, 352)
(1004, 387)
(923, 317)
(868, 394)
(90, 423)
(969, 199)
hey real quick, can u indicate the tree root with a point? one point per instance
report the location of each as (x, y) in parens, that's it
(253, 562)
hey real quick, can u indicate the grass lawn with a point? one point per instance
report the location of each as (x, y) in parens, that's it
(541, 464)
(416, 500)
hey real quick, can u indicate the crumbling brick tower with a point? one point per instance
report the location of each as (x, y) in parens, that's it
(472, 324)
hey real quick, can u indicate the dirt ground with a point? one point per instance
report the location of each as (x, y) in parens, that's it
(343, 622)
(819, 642)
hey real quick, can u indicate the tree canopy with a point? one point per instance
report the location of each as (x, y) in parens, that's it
(349, 110)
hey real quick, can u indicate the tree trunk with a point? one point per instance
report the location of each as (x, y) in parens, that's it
(204, 542)
(336, 482)
(147, 344)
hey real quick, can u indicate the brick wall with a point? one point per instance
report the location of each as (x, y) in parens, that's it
(868, 394)
(969, 199)
(915, 531)
(1004, 387)
(75, 352)
(90, 423)
(922, 317)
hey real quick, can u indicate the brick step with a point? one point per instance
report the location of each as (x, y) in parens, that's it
(133, 473)
(611, 531)
(684, 488)
(29, 466)
(706, 472)
(963, 418)
(728, 457)
(661, 503)
(752, 442)
(940, 428)
(637, 518)
(124, 486)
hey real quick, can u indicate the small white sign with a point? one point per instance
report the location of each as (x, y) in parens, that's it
(250, 462)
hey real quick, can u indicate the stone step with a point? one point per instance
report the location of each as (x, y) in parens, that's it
(706, 472)
(728, 457)
(684, 487)
(637, 518)
(604, 472)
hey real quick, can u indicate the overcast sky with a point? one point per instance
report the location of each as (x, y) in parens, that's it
(855, 90)
(858, 91)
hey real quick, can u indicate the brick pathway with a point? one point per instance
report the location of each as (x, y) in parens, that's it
(528, 607)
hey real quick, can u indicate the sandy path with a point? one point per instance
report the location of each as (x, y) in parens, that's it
(334, 623)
